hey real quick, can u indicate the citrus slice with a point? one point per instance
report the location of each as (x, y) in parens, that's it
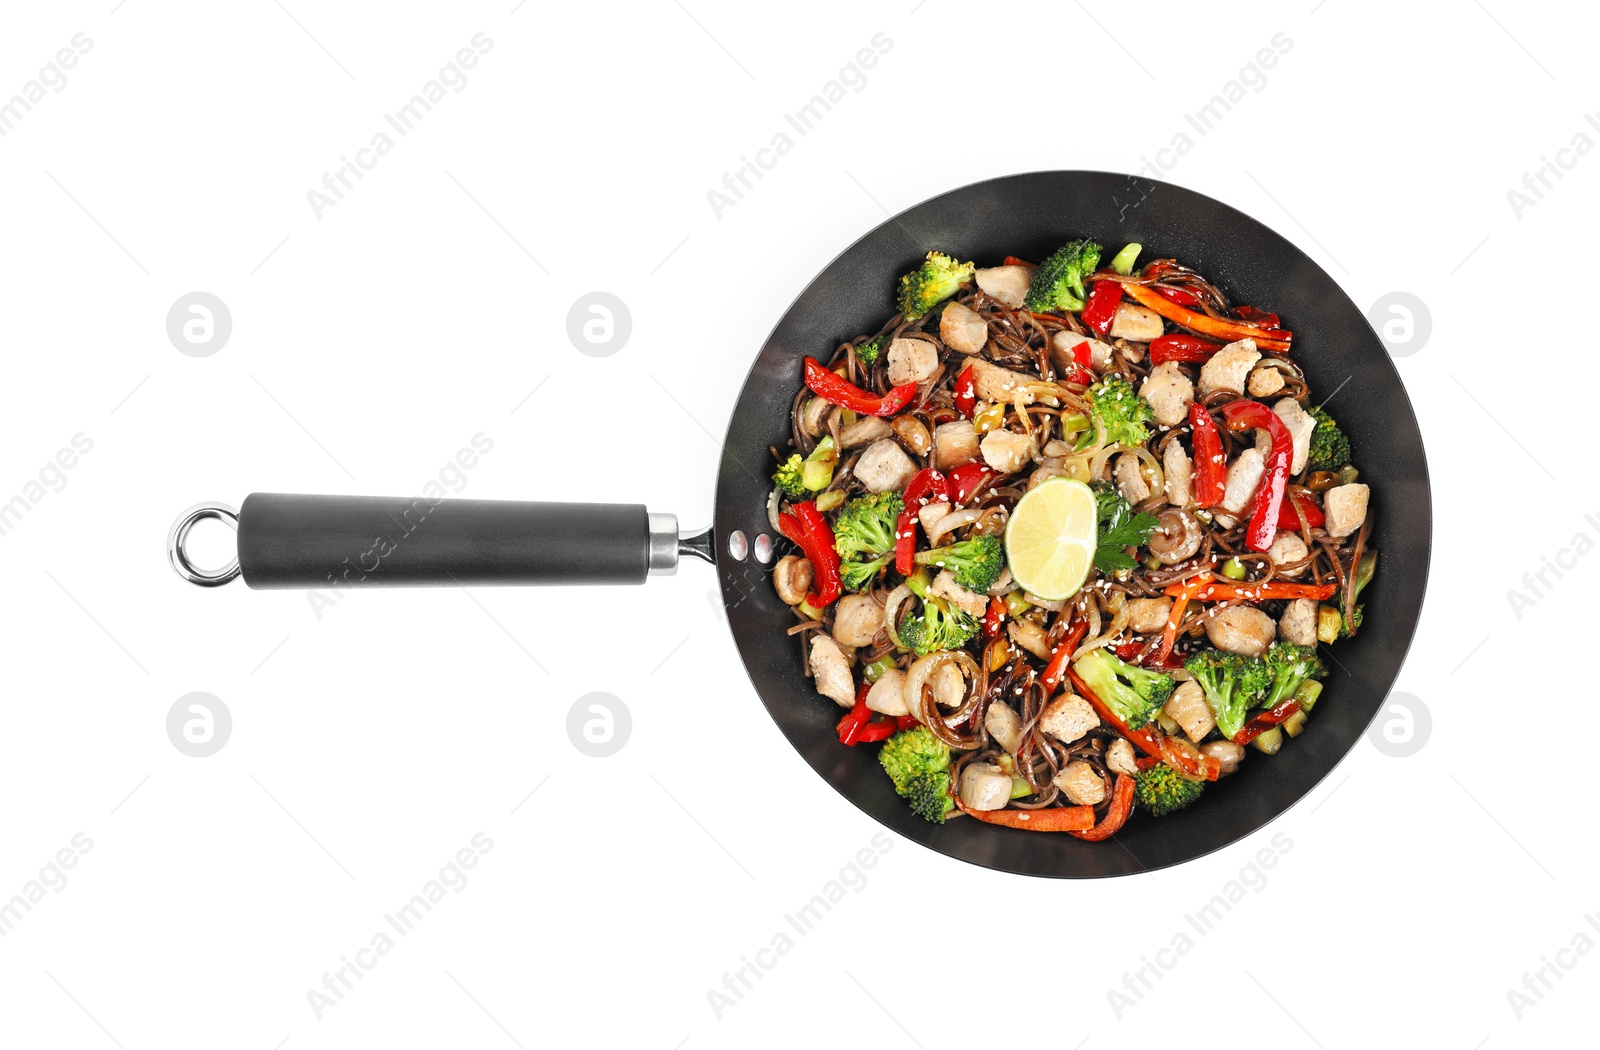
(1050, 539)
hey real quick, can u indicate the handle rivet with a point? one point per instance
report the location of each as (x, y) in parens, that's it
(763, 548)
(738, 546)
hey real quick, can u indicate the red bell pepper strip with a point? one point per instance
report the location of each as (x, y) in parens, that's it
(1181, 296)
(838, 390)
(1053, 818)
(994, 619)
(1186, 591)
(1288, 519)
(929, 486)
(965, 479)
(904, 722)
(1209, 475)
(873, 732)
(1253, 316)
(1135, 653)
(1265, 721)
(965, 394)
(1116, 816)
(1181, 346)
(855, 718)
(1150, 740)
(1205, 324)
(1229, 591)
(1056, 668)
(810, 531)
(1101, 306)
(1245, 414)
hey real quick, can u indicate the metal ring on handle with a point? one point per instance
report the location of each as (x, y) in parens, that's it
(179, 536)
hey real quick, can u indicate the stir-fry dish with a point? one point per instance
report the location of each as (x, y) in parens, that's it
(1068, 538)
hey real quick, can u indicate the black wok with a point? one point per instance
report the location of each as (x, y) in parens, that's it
(319, 541)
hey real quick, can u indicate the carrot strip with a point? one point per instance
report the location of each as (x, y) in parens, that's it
(1265, 338)
(1076, 819)
(1225, 591)
(1116, 816)
(1150, 740)
(1187, 589)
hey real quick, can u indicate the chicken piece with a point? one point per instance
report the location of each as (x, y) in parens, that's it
(970, 602)
(857, 620)
(884, 466)
(1064, 343)
(1129, 350)
(1149, 615)
(1345, 507)
(1006, 285)
(984, 786)
(1005, 726)
(1130, 483)
(1139, 323)
(888, 694)
(1169, 392)
(832, 671)
(1228, 368)
(963, 330)
(1264, 381)
(1029, 636)
(1300, 424)
(1006, 451)
(1120, 758)
(1298, 624)
(1081, 783)
(912, 360)
(1002, 584)
(1287, 548)
(1241, 629)
(1187, 706)
(1067, 718)
(1179, 469)
(930, 514)
(864, 431)
(949, 687)
(1244, 474)
(993, 383)
(954, 443)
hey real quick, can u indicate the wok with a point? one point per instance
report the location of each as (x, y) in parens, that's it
(316, 541)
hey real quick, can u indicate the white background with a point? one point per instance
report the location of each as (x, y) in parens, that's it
(371, 343)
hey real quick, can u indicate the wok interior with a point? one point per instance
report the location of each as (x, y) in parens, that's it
(1031, 215)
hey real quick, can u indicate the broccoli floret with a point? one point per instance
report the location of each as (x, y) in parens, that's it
(1330, 449)
(1349, 625)
(1058, 282)
(1233, 684)
(867, 352)
(1121, 412)
(857, 575)
(936, 279)
(1134, 694)
(1163, 790)
(975, 563)
(816, 473)
(937, 627)
(787, 477)
(865, 527)
(1289, 665)
(919, 765)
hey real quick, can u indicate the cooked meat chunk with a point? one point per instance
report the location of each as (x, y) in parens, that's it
(1030, 636)
(1121, 759)
(884, 465)
(1139, 323)
(1241, 629)
(1063, 347)
(1226, 752)
(831, 671)
(1346, 508)
(856, 620)
(1228, 368)
(887, 695)
(912, 360)
(1006, 285)
(1187, 706)
(963, 330)
(970, 602)
(930, 514)
(1081, 783)
(1264, 381)
(1179, 469)
(1244, 474)
(1169, 392)
(1006, 451)
(864, 431)
(1298, 624)
(1287, 548)
(954, 443)
(993, 383)
(1149, 615)
(1067, 718)
(984, 786)
(1300, 424)
(949, 688)
(1130, 483)
(1005, 725)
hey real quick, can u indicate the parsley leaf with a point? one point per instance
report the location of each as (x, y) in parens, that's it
(1119, 528)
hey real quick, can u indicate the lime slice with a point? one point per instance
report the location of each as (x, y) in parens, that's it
(1050, 539)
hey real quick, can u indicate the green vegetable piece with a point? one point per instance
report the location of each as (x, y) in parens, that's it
(939, 277)
(1121, 412)
(919, 765)
(975, 563)
(816, 473)
(1119, 528)
(1163, 790)
(1330, 449)
(1123, 261)
(1058, 282)
(1233, 684)
(1134, 694)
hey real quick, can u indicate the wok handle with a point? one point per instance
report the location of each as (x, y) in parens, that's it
(301, 541)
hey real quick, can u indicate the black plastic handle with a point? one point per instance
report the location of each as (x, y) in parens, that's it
(327, 541)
